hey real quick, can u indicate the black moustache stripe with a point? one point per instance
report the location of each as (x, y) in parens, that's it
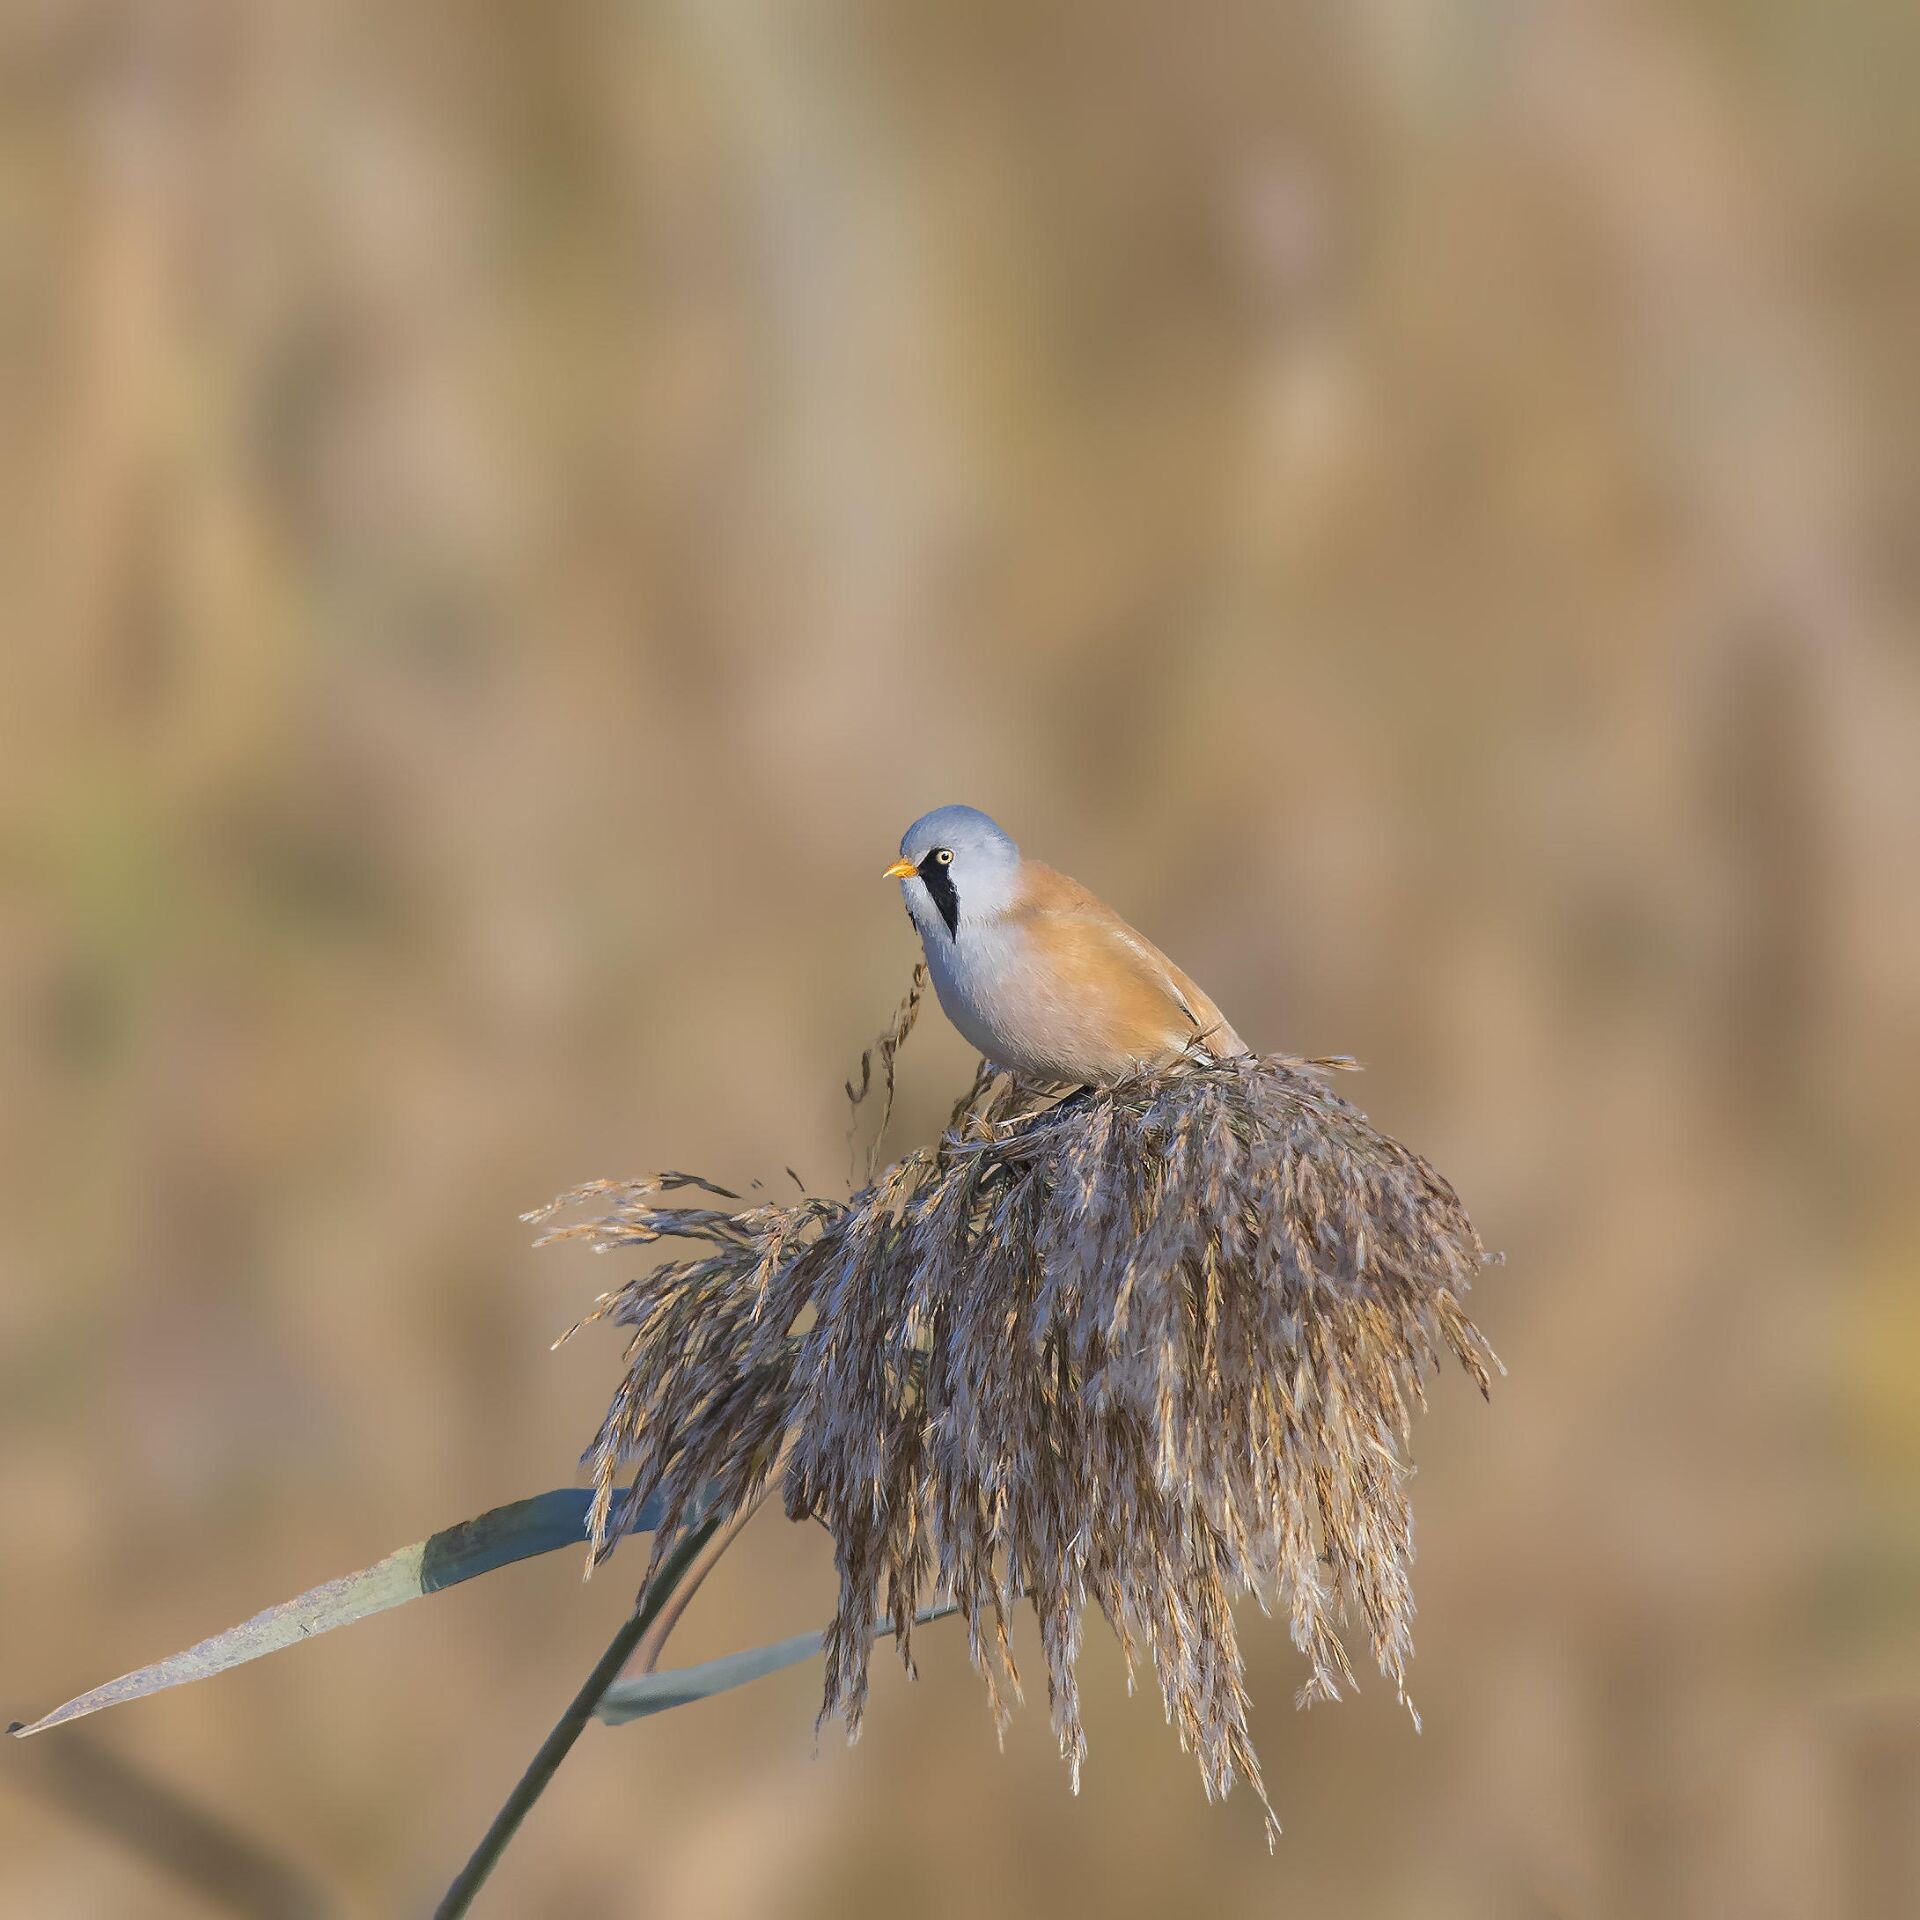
(940, 886)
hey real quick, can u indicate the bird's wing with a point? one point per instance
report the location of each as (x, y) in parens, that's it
(1088, 939)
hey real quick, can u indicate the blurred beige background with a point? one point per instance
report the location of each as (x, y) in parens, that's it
(507, 512)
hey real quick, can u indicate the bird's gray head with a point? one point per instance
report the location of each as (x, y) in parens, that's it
(955, 865)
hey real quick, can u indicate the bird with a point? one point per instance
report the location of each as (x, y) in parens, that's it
(1039, 974)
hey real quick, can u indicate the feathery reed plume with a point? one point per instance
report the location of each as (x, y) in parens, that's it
(887, 1046)
(1151, 1348)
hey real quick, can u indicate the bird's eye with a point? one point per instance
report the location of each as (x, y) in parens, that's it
(944, 855)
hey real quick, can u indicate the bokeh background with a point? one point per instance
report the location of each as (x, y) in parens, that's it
(508, 511)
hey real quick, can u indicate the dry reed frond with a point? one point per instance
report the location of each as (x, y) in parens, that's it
(887, 1046)
(1152, 1349)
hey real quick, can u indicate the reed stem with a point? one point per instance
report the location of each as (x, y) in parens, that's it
(459, 1897)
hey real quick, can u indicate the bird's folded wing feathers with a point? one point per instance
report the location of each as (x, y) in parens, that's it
(1087, 936)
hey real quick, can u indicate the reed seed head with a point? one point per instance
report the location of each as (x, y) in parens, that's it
(1150, 1349)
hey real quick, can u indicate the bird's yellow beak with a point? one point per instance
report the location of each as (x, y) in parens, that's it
(900, 870)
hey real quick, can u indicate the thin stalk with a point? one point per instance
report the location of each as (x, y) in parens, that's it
(647, 1651)
(559, 1743)
(653, 1643)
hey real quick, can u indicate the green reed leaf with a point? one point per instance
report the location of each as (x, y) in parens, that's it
(496, 1538)
(657, 1692)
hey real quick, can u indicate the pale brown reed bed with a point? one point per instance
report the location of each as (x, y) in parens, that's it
(1153, 1348)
